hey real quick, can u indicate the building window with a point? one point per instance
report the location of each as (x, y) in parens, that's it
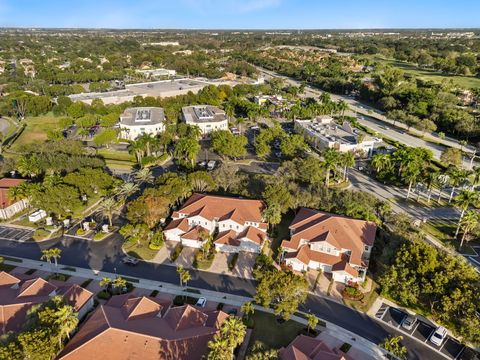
(367, 248)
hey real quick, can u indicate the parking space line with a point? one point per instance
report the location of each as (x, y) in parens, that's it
(428, 337)
(416, 326)
(444, 342)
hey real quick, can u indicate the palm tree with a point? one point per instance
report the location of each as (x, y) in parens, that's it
(469, 222)
(330, 161)
(456, 176)
(46, 255)
(55, 254)
(248, 309)
(106, 208)
(430, 180)
(119, 283)
(342, 106)
(234, 330)
(127, 189)
(66, 321)
(144, 176)
(475, 176)
(105, 282)
(463, 201)
(185, 276)
(348, 160)
(219, 349)
(381, 162)
(411, 175)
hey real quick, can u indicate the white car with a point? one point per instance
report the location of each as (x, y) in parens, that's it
(438, 336)
(201, 302)
(211, 165)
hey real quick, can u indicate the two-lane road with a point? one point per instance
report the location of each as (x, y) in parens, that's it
(106, 255)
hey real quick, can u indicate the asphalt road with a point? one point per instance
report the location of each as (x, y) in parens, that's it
(105, 255)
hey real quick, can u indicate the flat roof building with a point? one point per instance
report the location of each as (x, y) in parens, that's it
(141, 120)
(322, 132)
(208, 118)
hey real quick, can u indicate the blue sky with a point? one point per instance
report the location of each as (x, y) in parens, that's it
(241, 14)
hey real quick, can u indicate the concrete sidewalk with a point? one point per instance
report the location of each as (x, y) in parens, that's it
(362, 344)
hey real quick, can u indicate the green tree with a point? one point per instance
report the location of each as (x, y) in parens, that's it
(452, 157)
(107, 207)
(468, 223)
(393, 345)
(228, 145)
(347, 159)
(248, 309)
(106, 137)
(463, 201)
(184, 275)
(331, 159)
(186, 151)
(312, 322)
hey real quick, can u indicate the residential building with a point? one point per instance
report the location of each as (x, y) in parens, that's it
(141, 120)
(144, 328)
(208, 118)
(9, 206)
(18, 295)
(334, 244)
(276, 100)
(236, 224)
(322, 132)
(308, 348)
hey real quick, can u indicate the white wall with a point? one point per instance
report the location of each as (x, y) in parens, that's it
(192, 243)
(132, 132)
(173, 234)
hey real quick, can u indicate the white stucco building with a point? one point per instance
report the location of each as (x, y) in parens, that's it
(322, 132)
(236, 224)
(208, 118)
(141, 120)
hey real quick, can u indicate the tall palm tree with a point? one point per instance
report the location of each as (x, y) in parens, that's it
(219, 349)
(330, 161)
(46, 255)
(411, 175)
(66, 321)
(119, 283)
(456, 176)
(463, 201)
(55, 254)
(184, 275)
(430, 180)
(248, 309)
(475, 176)
(144, 176)
(127, 189)
(105, 282)
(312, 322)
(347, 160)
(342, 106)
(469, 222)
(107, 207)
(381, 162)
(234, 330)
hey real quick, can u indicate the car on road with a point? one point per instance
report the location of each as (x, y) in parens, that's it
(409, 322)
(201, 302)
(129, 260)
(438, 336)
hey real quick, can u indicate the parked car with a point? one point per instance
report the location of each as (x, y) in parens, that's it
(438, 336)
(201, 302)
(129, 260)
(409, 322)
(202, 164)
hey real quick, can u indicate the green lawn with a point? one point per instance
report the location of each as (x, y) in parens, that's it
(37, 129)
(466, 82)
(141, 251)
(444, 231)
(366, 302)
(110, 154)
(271, 333)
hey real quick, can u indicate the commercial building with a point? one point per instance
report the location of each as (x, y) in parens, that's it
(147, 328)
(18, 295)
(9, 206)
(154, 73)
(334, 244)
(141, 120)
(208, 118)
(322, 132)
(236, 224)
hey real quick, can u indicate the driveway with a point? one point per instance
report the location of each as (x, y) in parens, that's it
(220, 263)
(163, 255)
(186, 257)
(244, 266)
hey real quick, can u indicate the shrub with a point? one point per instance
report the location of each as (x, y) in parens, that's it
(233, 262)
(352, 292)
(80, 231)
(104, 295)
(99, 236)
(40, 234)
(157, 241)
(176, 252)
(59, 277)
(86, 283)
(154, 293)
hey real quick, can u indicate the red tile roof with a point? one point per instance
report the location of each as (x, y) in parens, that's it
(338, 231)
(228, 237)
(181, 224)
(253, 234)
(18, 296)
(220, 207)
(181, 333)
(5, 185)
(194, 233)
(307, 348)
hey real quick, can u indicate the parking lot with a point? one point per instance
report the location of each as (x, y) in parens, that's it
(20, 235)
(421, 330)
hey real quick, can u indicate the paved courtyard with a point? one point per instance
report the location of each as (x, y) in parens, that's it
(163, 255)
(244, 265)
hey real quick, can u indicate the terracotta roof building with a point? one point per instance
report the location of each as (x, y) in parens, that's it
(335, 244)
(307, 348)
(17, 296)
(237, 224)
(144, 328)
(8, 206)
